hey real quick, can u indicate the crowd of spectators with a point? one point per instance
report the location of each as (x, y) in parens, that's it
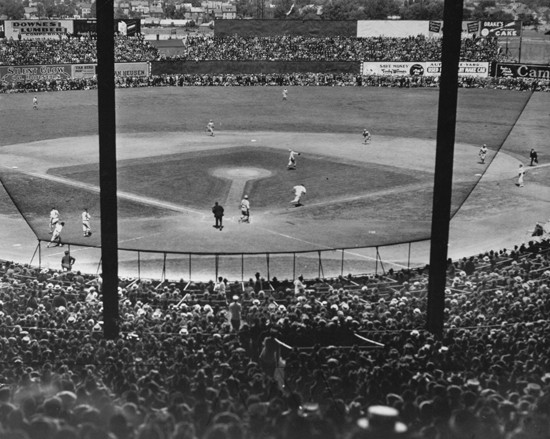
(285, 79)
(71, 51)
(327, 358)
(236, 48)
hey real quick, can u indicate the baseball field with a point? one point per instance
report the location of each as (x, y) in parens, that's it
(170, 172)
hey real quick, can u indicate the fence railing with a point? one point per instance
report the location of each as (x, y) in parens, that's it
(164, 265)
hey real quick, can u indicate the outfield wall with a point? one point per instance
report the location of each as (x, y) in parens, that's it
(253, 67)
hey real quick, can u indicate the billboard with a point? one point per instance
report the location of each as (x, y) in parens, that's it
(495, 29)
(28, 29)
(82, 71)
(131, 69)
(477, 69)
(533, 71)
(1, 28)
(430, 68)
(393, 68)
(34, 73)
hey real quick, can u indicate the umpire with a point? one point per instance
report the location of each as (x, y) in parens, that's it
(217, 210)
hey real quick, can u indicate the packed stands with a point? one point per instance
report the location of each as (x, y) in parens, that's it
(182, 369)
(282, 48)
(296, 79)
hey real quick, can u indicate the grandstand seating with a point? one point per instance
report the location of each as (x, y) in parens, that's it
(179, 370)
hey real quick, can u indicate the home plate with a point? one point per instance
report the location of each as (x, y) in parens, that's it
(14, 167)
(16, 245)
(253, 140)
(372, 232)
(478, 175)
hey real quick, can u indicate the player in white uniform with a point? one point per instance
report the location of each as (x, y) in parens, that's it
(483, 153)
(56, 236)
(210, 127)
(35, 103)
(366, 136)
(299, 190)
(292, 159)
(86, 229)
(285, 94)
(245, 210)
(54, 218)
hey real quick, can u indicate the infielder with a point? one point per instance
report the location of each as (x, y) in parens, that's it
(366, 136)
(292, 159)
(483, 153)
(299, 190)
(86, 229)
(245, 210)
(54, 218)
(210, 127)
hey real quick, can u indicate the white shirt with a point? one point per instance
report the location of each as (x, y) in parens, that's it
(299, 190)
(54, 214)
(245, 205)
(58, 228)
(85, 217)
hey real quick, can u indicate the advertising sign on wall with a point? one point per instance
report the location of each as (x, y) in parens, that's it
(478, 69)
(500, 29)
(27, 29)
(34, 73)
(393, 68)
(534, 71)
(1, 28)
(131, 69)
(83, 70)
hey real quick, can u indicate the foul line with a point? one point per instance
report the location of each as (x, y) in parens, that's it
(124, 195)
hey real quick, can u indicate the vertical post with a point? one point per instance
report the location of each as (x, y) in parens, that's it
(242, 267)
(217, 266)
(342, 264)
(520, 40)
(294, 266)
(107, 165)
(409, 257)
(443, 178)
(39, 255)
(376, 262)
(267, 261)
(163, 275)
(190, 267)
(139, 265)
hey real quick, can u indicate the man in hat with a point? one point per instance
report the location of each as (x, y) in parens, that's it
(483, 153)
(217, 210)
(245, 210)
(56, 236)
(298, 190)
(210, 127)
(86, 229)
(54, 218)
(292, 159)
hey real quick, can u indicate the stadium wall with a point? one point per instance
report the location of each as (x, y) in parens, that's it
(253, 67)
(270, 28)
